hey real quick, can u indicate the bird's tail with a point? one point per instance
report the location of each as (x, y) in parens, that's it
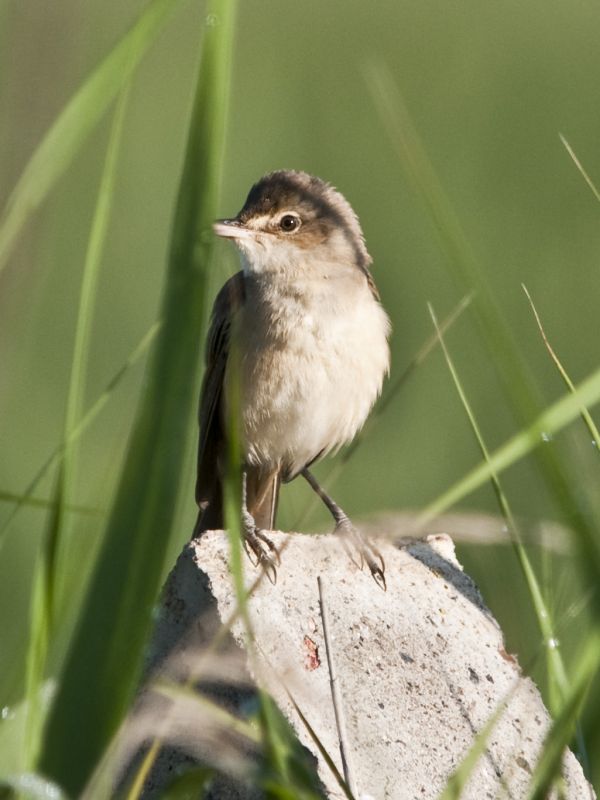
(210, 514)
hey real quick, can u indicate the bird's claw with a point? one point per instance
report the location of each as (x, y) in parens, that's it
(366, 551)
(378, 574)
(258, 544)
(352, 552)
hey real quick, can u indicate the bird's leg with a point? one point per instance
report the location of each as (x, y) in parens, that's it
(256, 540)
(343, 525)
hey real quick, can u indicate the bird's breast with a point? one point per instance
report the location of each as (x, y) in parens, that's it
(312, 365)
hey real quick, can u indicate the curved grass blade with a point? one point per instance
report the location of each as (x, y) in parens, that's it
(103, 664)
(69, 131)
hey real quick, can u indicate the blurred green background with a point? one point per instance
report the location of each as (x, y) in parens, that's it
(488, 86)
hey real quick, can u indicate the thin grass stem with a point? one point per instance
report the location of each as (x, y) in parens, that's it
(580, 167)
(585, 414)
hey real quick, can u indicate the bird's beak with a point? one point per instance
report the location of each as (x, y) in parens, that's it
(232, 229)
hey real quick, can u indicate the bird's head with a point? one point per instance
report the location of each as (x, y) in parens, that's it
(293, 222)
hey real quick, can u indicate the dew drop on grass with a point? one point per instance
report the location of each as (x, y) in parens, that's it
(546, 437)
(212, 20)
(553, 644)
(594, 443)
(7, 712)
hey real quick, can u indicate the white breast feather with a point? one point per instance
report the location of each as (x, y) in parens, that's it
(310, 389)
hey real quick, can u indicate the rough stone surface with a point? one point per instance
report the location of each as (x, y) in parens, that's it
(420, 667)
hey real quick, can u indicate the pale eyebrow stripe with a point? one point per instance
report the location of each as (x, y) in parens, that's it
(258, 222)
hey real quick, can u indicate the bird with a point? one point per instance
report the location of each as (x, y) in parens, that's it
(296, 355)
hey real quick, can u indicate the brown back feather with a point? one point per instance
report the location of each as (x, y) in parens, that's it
(262, 489)
(212, 442)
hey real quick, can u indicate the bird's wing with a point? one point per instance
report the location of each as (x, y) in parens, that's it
(212, 434)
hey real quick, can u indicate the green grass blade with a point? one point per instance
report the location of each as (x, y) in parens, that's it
(65, 138)
(104, 660)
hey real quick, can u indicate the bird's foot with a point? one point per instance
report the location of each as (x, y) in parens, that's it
(367, 552)
(261, 551)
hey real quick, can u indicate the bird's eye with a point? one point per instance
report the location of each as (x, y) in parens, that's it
(289, 223)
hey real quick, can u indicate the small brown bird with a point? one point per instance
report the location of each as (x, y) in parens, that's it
(302, 335)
